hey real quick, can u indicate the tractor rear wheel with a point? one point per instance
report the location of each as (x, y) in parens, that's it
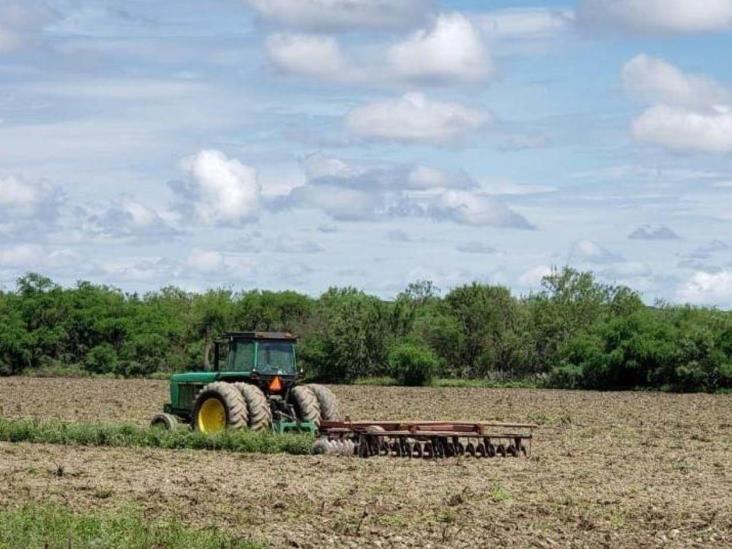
(327, 401)
(306, 404)
(260, 414)
(219, 405)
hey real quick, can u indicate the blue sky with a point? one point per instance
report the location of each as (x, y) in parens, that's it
(308, 143)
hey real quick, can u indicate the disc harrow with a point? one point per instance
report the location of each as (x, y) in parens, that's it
(424, 439)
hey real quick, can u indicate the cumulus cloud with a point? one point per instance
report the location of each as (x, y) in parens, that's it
(220, 191)
(532, 23)
(470, 208)
(308, 55)
(587, 251)
(335, 15)
(475, 247)
(413, 117)
(525, 30)
(20, 198)
(452, 50)
(657, 81)
(656, 16)
(351, 192)
(682, 129)
(534, 276)
(707, 288)
(28, 206)
(342, 204)
(124, 218)
(647, 232)
(205, 261)
(707, 250)
(327, 170)
(21, 23)
(694, 112)
(34, 256)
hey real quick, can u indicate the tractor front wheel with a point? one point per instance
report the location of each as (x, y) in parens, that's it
(168, 422)
(219, 405)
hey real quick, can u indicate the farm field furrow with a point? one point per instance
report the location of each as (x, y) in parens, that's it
(608, 469)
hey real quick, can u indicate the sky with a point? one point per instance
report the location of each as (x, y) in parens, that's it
(303, 144)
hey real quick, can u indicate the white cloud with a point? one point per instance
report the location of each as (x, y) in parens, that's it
(656, 16)
(205, 261)
(686, 130)
(587, 251)
(425, 177)
(413, 117)
(693, 114)
(126, 217)
(452, 50)
(656, 81)
(351, 192)
(478, 209)
(340, 203)
(307, 55)
(21, 22)
(707, 288)
(534, 276)
(22, 199)
(330, 15)
(296, 245)
(531, 23)
(34, 257)
(647, 232)
(475, 247)
(222, 190)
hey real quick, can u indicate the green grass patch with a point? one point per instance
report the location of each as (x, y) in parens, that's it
(527, 383)
(51, 527)
(127, 435)
(382, 381)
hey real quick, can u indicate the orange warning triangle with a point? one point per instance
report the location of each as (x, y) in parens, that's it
(275, 386)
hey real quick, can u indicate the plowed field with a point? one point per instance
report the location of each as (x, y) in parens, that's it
(608, 469)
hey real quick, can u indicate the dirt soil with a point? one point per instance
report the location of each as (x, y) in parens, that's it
(608, 469)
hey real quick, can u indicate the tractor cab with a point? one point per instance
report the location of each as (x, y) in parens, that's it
(256, 353)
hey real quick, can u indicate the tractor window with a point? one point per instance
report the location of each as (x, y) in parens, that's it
(276, 358)
(242, 359)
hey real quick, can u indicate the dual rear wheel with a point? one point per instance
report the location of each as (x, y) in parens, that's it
(220, 405)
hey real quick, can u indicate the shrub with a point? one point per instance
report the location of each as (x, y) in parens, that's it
(412, 365)
(102, 359)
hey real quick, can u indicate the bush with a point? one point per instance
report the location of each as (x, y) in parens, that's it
(102, 359)
(412, 365)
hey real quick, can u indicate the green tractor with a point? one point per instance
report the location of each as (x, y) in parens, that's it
(254, 384)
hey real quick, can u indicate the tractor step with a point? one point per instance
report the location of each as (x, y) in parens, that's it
(424, 439)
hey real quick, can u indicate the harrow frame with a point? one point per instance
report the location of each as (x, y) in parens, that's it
(424, 439)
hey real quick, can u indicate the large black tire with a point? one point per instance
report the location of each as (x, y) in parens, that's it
(235, 407)
(327, 401)
(306, 404)
(165, 421)
(260, 414)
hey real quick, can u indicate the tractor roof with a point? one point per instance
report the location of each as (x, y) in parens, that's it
(261, 336)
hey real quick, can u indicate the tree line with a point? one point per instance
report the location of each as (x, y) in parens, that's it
(575, 332)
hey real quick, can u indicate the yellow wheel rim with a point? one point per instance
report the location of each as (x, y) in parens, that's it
(211, 416)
